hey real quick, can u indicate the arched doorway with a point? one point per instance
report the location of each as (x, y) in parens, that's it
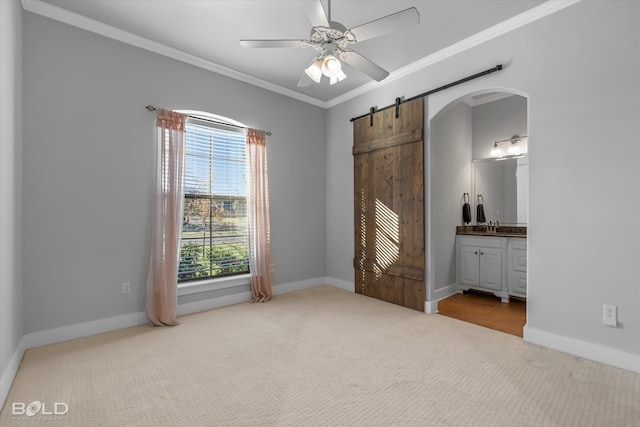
(461, 137)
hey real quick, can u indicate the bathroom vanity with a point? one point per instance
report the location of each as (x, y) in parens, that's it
(492, 260)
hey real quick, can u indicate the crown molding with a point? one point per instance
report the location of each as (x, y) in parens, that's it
(62, 15)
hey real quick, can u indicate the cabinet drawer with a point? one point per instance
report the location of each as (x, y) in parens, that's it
(482, 241)
(518, 283)
(519, 260)
(518, 243)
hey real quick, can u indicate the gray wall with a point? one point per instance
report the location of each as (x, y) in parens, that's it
(11, 326)
(450, 172)
(582, 86)
(88, 169)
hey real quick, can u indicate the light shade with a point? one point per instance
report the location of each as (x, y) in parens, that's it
(337, 79)
(331, 67)
(495, 151)
(314, 71)
(514, 148)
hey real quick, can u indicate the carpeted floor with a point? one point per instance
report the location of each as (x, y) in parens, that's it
(319, 357)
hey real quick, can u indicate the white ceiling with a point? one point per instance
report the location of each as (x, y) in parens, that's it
(207, 34)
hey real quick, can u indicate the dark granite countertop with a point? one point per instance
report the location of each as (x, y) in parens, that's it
(497, 231)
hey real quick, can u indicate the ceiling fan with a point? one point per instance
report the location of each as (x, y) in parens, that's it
(332, 40)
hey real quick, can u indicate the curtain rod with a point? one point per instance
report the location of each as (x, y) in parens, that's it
(266, 132)
(447, 86)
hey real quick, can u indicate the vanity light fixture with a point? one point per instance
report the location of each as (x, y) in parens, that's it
(514, 149)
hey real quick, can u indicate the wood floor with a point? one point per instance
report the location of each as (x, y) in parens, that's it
(486, 310)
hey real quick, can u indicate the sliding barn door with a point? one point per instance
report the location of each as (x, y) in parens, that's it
(389, 205)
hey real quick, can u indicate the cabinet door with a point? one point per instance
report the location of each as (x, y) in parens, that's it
(491, 268)
(469, 266)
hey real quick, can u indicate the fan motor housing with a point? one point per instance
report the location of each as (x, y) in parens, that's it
(336, 34)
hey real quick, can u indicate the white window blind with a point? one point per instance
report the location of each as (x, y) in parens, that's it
(214, 232)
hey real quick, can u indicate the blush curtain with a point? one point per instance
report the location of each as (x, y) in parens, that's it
(258, 215)
(168, 201)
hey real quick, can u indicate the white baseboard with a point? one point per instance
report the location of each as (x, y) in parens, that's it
(284, 288)
(340, 284)
(445, 292)
(79, 330)
(431, 307)
(586, 350)
(10, 372)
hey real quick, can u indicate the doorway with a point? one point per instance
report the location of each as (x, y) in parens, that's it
(462, 136)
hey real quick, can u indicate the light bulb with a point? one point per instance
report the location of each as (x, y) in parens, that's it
(495, 151)
(331, 67)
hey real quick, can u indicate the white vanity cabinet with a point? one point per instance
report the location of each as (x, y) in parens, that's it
(517, 274)
(481, 264)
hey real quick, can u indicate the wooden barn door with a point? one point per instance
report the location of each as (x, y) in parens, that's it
(389, 205)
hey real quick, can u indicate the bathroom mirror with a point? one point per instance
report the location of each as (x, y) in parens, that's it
(503, 185)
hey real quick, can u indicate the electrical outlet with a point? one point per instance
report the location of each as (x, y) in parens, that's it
(126, 288)
(341, 261)
(609, 315)
(272, 268)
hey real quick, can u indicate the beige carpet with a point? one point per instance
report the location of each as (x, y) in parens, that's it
(320, 357)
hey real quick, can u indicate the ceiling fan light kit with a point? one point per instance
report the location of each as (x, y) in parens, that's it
(332, 40)
(324, 65)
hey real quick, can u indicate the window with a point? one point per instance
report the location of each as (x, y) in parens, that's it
(214, 231)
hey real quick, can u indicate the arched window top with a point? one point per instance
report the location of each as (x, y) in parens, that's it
(212, 117)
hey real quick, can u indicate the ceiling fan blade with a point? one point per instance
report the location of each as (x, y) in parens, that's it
(305, 80)
(387, 24)
(274, 43)
(361, 63)
(316, 13)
